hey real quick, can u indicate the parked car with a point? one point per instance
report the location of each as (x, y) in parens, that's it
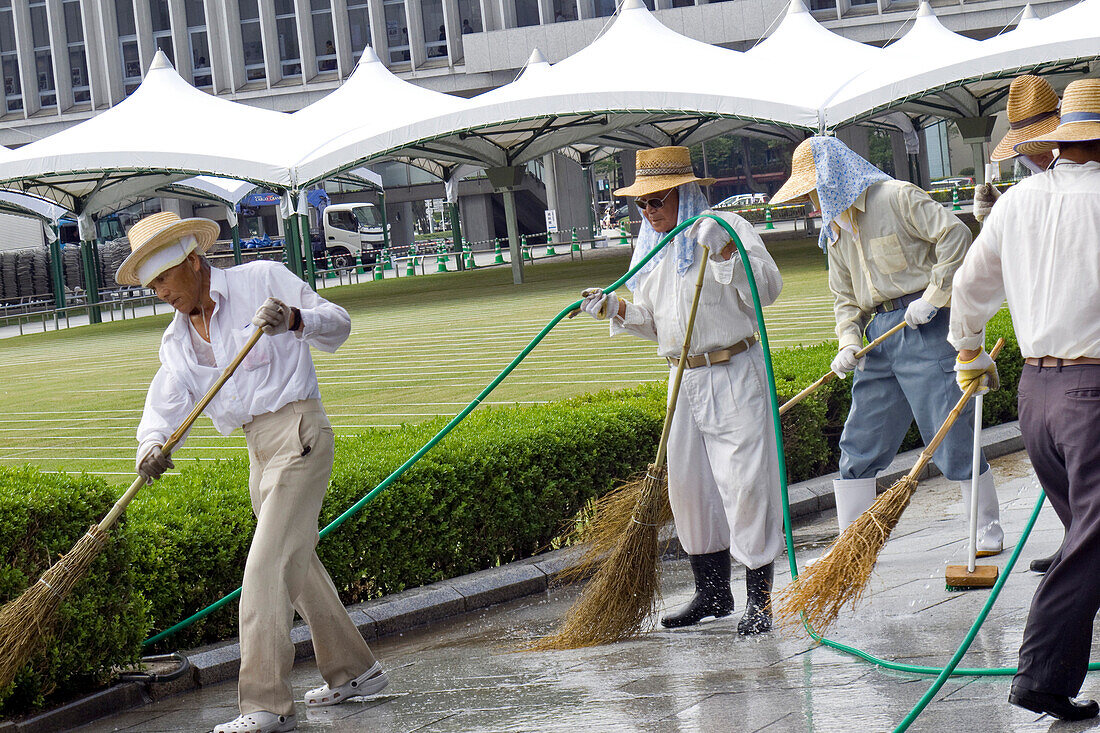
(952, 182)
(742, 199)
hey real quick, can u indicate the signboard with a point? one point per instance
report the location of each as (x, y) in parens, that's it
(551, 220)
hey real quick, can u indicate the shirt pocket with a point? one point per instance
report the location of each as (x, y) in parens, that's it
(259, 355)
(887, 254)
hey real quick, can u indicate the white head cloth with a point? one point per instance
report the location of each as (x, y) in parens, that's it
(166, 257)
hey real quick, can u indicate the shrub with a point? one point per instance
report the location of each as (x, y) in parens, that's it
(104, 619)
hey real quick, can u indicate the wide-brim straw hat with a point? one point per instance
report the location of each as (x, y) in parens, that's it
(1032, 111)
(156, 232)
(659, 169)
(803, 175)
(1080, 120)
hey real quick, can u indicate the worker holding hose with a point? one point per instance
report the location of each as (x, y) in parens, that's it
(723, 473)
(892, 252)
(274, 396)
(1038, 248)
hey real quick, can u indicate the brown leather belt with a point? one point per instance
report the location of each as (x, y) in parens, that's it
(715, 357)
(1053, 361)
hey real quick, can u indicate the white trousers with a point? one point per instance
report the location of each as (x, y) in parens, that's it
(723, 472)
(291, 453)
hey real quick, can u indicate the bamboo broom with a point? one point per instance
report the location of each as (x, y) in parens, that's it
(622, 553)
(840, 576)
(27, 621)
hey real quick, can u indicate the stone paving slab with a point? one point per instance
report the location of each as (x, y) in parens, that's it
(466, 673)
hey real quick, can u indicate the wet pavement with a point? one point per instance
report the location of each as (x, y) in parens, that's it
(467, 674)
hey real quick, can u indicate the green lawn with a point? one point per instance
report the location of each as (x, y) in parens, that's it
(419, 347)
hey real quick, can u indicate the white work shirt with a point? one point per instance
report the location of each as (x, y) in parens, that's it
(1040, 248)
(904, 242)
(279, 369)
(725, 316)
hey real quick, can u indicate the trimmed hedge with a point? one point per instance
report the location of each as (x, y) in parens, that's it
(503, 486)
(104, 620)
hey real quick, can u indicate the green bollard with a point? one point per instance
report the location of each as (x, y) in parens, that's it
(550, 251)
(623, 235)
(470, 264)
(525, 249)
(576, 244)
(387, 261)
(499, 258)
(768, 218)
(441, 262)
(955, 198)
(378, 271)
(410, 267)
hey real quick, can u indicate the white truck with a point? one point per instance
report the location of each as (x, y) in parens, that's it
(352, 233)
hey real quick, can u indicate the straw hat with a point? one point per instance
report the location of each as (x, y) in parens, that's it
(1032, 111)
(155, 245)
(1080, 119)
(659, 169)
(803, 175)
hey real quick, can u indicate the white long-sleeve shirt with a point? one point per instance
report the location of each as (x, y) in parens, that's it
(1040, 248)
(662, 302)
(279, 369)
(904, 242)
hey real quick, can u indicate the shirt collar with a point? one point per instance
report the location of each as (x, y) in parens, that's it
(219, 284)
(861, 200)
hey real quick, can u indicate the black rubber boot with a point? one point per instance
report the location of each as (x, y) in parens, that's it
(758, 612)
(1042, 564)
(713, 596)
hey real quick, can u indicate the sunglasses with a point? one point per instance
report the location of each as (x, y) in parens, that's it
(653, 203)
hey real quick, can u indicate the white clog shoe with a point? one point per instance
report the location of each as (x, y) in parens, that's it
(259, 722)
(371, 682)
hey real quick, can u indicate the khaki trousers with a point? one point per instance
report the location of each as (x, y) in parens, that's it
(291, 453)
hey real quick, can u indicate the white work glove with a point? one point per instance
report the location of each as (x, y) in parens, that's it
(153, 463)
(846, 361)
(919, 312)
(598, 304)
(274, 317)
(709, 232)
(985, 195)
(980, 367)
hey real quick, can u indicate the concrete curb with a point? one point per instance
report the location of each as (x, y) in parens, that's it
(419, 606)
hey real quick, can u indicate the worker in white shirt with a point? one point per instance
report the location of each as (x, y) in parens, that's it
(1038, 249)
(275, 397)
(892, 252)
(723, 470)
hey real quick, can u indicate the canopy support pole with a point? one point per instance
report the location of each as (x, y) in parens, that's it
(57, 271)
(385, 221)
(586, 168)
(235, 230)
(456, 232)
(513, 235)
(91, 279)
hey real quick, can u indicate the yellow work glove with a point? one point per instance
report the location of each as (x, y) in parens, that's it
(980, 367)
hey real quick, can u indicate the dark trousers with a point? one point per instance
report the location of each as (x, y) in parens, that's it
(1060, 422)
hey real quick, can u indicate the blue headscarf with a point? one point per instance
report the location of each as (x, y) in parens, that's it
(841, 177)
(692, 203)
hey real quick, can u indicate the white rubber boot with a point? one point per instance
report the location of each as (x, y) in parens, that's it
(853, 497)
(990, 535)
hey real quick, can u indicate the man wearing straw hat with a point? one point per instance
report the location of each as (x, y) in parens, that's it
(892, 252)
(1032, 110)
(723, 473)
(275, 397)
(1039, 250)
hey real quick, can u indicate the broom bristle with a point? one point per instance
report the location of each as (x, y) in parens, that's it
(27, 622)
(840, 576)
(625, 586)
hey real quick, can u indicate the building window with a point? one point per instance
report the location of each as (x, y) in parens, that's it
(200, 46)
(323, 39)
(9, 60)
(359, 26)
(252, 41)
(127, 42)
(565, 10)
(162, 28)
(603, 8)
(43, 61)
(470, 13)
(435, 32)
(286, 26)
(78, 62)
(527, 12)
(397, 30)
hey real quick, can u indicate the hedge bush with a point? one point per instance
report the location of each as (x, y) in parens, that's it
(104, 619)
(501, 487)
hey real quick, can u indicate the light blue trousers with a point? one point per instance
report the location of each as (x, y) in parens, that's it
(910, 376)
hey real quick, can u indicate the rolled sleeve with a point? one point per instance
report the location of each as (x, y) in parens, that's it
(979, 288)
(849, 316)
(638, 321)
(167, 405)
(325, 326)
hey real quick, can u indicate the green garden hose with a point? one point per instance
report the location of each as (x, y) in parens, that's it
(943, 673)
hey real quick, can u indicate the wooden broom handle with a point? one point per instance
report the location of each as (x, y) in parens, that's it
(830, 375)
(675, 387)
(177, 435)
(926, 454)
